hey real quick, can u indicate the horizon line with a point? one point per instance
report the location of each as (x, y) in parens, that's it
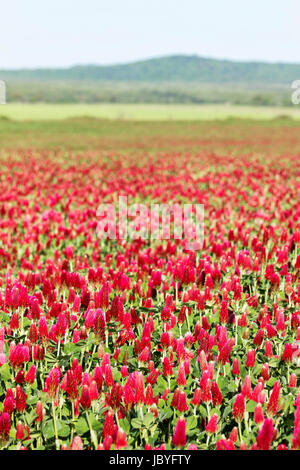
(135, 61)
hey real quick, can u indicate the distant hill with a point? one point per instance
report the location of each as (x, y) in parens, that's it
(177, 68)
(174, 79)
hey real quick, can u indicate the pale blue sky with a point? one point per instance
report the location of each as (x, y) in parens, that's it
(41, 33)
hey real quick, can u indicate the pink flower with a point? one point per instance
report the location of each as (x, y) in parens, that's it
(2, 359)
(272, 407)
(4, 426)
(265, 435)
(179, 437)
(76, 443)
(239, 407)
(212, 425)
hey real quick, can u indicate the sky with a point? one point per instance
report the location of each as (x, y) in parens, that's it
(61, 33)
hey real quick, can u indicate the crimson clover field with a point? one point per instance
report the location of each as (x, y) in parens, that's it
(113, 344)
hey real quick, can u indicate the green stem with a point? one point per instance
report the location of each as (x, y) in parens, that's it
(57, 443)
(240, 432)
(218, 371)
(141, 412)
(187, 320)
(73, 421)
(92, 432)
(207, 407)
